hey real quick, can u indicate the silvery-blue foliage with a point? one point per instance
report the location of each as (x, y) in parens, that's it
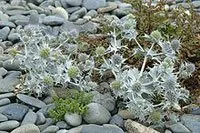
(138, 88)
(49, 63)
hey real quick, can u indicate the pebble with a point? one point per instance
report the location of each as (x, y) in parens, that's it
(117, 120)
(97, 114)
(3, 72)
(106, 128)
(73, 119)
(9, 125)
(73, 9)
(40, 118)
(192, 122)
(7, 24)
(12, 66)
(9, 82)
(53, 20)
(61, 12)
(3, 118)
(6, 95)
(4, 101)
(179, 128)
(62, 131)
(104, 99)
(31, 100)
(50, 129)
(63, 125)
(48, 122)
(94, 4)
(30, 118)
(14, 37)
(28, 128)
(4, 32)
(111, 6)
(126, 114)
(14, 111)
(74, 2)
(78, 14)
(134, 127)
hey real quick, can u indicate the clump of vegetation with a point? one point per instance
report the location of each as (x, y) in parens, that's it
(74, 102)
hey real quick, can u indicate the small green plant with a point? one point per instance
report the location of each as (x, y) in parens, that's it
(75, 102)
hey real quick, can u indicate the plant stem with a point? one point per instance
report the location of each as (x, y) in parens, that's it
(145, 60)
(139, 45)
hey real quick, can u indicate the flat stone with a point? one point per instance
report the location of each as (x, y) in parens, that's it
(37, 8)
(31, 101)
(121, 12)
(134, 127)
(106, 128)
(50, 129)
(74, 2)
(94, 4)
(7, 24)
(14, 111)
(46, 3)
(11, 65)
(30, 118)
(18, 17)
(7, 95)
(4, 101)
(4, 32)
(9, 125)
(28, 128)
(111, 6)
(9, 82)
(3, 118)
(192, 122)
(62, 131)
(53, 20)
(17, 12)
(179, 128)
(78, 14)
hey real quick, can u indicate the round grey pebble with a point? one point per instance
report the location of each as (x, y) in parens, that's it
(73, 119)
(40, 118)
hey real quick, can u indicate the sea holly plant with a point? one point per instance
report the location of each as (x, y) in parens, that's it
(52, 61)
(139, 87)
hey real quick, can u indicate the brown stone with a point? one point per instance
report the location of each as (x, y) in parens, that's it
(111, 6)
(134, 127)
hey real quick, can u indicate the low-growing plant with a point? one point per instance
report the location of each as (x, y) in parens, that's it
(139, 87)
(75, 102)
(50, 61)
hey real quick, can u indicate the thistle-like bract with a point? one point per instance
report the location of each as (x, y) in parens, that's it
(73, 72)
